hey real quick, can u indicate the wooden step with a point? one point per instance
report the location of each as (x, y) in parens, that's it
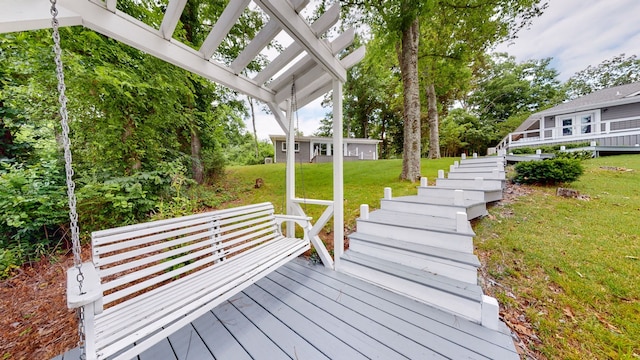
(460, 298)
(474, 169)
(452, 264)
(477, 184)
(487, 175)
(434, 206)
(483, 160)
(472, 194)
(423, 229)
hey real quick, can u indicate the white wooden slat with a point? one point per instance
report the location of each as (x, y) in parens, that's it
(188, 305)
(300, 31)
(25, 15)
(313, 201)
(227, 19)
(171, 17)
(111, 5)
(230, 246)
(320, 26)
(199, 312)
(307, 78)
(121, 251)
(137, 309)
(226, 222)
(102, 242)
(322, 221)
(262, 39)
(307, 63)
(104, 272)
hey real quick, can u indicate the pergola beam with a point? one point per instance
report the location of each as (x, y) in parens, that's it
(229, 17)
(25, 15)
(130, 31)
(171, 17)
(320, 26)
(261, 40)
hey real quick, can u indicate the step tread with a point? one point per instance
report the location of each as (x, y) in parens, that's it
(436, 252)
(414, 221)
(445, 284)
(440, 201)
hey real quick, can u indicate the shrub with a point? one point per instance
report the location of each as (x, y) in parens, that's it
(548, 172)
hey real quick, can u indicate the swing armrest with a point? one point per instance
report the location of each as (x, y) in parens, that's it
(303, 221)
(91, 289)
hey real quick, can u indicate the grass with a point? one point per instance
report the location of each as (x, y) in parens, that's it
(364, 182)
(568, 270)
(571, 266)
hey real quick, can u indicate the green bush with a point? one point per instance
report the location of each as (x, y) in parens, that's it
(548, 172)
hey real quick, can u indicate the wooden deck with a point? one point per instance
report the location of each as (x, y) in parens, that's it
(305, 311)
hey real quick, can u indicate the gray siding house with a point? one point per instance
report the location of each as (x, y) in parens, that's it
(610, 117)
(319, 149)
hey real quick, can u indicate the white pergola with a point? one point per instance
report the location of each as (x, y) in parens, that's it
(311, 60)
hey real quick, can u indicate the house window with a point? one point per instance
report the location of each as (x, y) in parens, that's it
(567, 127)
(296, 147)
(585, 124)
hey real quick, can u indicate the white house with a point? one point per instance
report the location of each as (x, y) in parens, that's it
(610, 117)
(320, 149)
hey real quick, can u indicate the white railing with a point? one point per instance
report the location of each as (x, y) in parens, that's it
(537, 136)
(314, 229)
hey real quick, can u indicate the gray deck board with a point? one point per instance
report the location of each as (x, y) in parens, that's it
(303, 311)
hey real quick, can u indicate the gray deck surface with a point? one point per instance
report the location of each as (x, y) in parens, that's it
(304, 311)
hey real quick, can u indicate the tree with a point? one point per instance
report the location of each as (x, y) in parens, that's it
(619, 70)
(506, 88)
(399, 21)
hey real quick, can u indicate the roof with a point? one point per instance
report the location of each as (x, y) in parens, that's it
(617, 95)
(275, 138)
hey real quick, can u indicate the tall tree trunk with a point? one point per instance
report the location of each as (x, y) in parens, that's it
(411, 90)
(196, 160)
(432, 116)
(253, 122)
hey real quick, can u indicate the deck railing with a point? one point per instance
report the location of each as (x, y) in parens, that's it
(558, 133)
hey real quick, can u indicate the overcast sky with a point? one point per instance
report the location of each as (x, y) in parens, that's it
(575, 33)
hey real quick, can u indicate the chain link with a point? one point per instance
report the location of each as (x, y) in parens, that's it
(66, 143)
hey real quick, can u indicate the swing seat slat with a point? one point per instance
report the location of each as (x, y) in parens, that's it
(147, 281)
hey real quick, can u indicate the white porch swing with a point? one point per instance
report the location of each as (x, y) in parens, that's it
(146, 281)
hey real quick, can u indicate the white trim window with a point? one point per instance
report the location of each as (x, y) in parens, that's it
(579, 124)
(296, 146)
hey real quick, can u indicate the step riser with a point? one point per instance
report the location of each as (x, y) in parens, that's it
(423, 209)
(451, 241)
(440, 192)
(470, 184)
(473, 175)
(443, 267)
(448, 302)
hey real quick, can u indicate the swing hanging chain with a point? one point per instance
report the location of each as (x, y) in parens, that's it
(66, 143)
(294, 112)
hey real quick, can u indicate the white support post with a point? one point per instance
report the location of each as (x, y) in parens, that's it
(456, 163)
(563, 148)
(90, 331)
(424, 182)
(338, 175)
(538, 152)
(291, 173)
(475, 155)
(440, 174)
(463, 156)
(462, 224)
(364, 211)
(458, 197)
(490, 313)
(387, 193)
(452, 168)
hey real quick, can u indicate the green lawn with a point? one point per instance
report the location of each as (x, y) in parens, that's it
(568, 270)
(571, 266)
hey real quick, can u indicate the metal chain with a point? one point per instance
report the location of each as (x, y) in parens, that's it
(66, 143)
